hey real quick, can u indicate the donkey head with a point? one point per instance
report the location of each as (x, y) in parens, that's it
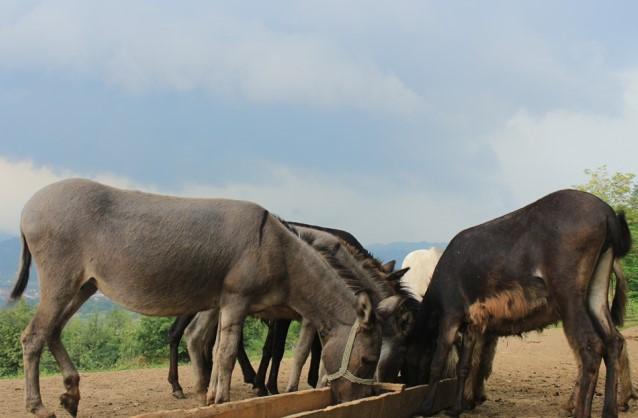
(398, 318)
(351, 369)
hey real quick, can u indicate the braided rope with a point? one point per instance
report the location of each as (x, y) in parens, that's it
(345, 359)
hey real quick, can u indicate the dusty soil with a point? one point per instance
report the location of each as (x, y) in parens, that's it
(532, 377)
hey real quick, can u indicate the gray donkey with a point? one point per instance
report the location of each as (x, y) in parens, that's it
(396, 308)
(161, 255)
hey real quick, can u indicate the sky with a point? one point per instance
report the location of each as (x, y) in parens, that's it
(396, 120)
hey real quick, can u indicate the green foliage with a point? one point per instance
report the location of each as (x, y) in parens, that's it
(12, 322)
(110, 340)
(95, 341)
(620, 190)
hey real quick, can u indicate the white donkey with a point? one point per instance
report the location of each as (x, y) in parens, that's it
(421, 264)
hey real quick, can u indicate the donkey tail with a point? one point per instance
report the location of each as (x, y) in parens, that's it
(23, 274)
(620, 296)
(619, 235)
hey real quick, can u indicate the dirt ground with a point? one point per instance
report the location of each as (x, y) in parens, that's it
(532, 377)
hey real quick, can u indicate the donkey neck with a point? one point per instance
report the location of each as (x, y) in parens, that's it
(359, 273)
(318, 293)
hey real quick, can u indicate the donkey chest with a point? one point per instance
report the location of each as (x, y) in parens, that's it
(511, 312)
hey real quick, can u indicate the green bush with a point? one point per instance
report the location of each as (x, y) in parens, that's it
(12, 322)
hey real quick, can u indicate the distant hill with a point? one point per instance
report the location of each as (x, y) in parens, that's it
(398, 250)
(10, 257)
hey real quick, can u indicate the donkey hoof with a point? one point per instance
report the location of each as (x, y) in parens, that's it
(42, 412)
(179, 394)
(454, 413)
(565, 412)
(261, 392)
(273, 391)
(70, 403)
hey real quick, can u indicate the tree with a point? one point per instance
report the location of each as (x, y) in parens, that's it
(620, 190)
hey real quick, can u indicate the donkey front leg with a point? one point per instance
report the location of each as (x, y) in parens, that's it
(447, 334)
(259, 382)
(231, 322)
(315, 358)
(306, 338)
(469, 341)
(278, 349)
(244, 362)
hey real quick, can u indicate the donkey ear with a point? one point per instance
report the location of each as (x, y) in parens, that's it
(397, 274)
(389, 266)
(365, 312)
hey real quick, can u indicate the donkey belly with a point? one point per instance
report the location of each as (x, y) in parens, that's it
(167, 283)
(163, 296)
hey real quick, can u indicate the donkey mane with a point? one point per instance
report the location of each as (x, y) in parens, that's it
(328, 253)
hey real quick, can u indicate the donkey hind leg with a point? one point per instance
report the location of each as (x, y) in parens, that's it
(315, 358)
(447, 334)
(231, 321)
(278, 348)
(244, 362)
(626, 390)
(71, 398)
(306, 337)
(588, 348)
(266, 354)
(174, 337)
(38, 332)
(601, 318)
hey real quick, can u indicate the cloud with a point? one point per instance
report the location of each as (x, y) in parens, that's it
(374, 213)
(19, 180)
(141, 47)
(538, 154)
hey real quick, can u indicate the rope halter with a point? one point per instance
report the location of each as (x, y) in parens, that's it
(345, 359)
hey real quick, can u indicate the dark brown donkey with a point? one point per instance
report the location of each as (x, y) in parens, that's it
(546, 262)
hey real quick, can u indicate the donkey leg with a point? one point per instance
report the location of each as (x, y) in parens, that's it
(71, 398)
(612, 340)
(447, 334)
(588, 348)
(470, 387)
(463, 370)
(200, 338)
(315, 358)
(175, 334)
(484, 368)
(231, 322)
(266, 355)
(278, 348)
(626, 391)
(244, 362)
(215, 369)
(306, 337)
(37, 333)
